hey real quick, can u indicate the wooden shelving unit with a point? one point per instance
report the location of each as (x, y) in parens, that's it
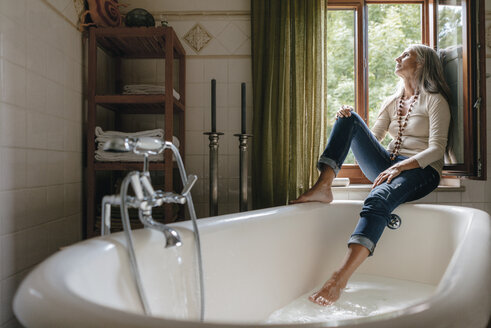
(133, 43)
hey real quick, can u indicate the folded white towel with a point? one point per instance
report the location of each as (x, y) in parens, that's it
(104, 156)
(148, 89)
(157, 133)
(103, 136)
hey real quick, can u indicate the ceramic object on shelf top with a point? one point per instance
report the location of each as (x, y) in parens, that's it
(162, 21)
(139, 17)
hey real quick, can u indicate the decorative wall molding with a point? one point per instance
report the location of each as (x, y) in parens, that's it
(225, 33)
(197, 37)
(219, 56)
(79, 6)
(176, 15)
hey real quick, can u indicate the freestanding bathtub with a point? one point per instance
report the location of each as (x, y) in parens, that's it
(259, 261)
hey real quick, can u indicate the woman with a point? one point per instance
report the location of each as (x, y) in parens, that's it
(417, 116)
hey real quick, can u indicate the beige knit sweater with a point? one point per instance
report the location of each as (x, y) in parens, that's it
(426, 133)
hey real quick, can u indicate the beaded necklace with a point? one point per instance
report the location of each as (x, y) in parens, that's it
(402, 125)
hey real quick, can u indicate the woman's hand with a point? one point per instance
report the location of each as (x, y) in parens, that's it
(395, 170)
(387, 175)
(344, 111)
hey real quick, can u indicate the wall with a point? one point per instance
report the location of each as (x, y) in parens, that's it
(227, 58)
(40, 137)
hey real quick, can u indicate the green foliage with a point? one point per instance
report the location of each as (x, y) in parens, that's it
(449, 26)
(340, 65)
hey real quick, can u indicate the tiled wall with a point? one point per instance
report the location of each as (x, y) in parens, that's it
(40, 137)
(229, 70)
(226, 57)
(229, 73)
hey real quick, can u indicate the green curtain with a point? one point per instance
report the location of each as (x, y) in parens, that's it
(290, 96)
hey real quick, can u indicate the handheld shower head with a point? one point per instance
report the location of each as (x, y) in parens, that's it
(142, 145)
(148, 145)
(119, 145)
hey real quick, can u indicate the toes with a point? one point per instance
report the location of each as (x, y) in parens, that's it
(322, 301)
(319, 299)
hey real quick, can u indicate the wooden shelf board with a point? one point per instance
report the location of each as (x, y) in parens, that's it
(129, 99)
(137, 42)
(135, 108)
(178, 105)
(136, 104)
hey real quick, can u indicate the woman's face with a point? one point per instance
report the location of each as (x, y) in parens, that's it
(406, 64)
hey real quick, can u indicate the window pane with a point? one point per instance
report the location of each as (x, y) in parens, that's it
(340, 64)
(450, 45)
(391, 28)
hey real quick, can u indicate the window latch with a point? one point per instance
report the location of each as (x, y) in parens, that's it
(477, 104)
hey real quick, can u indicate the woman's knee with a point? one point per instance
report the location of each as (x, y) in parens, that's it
(378, 203)
(354, 117)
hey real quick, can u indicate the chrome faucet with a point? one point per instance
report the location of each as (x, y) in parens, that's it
(147, 198)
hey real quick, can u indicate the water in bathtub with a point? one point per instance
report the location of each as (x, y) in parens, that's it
(364, 296)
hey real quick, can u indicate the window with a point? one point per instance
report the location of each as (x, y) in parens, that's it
(341, 73)
(361, 65)
(449, 41)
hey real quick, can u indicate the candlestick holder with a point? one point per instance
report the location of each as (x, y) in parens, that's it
(213, 137)
(243, 195)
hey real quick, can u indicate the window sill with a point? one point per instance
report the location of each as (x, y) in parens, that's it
(367, 187)
(446, 185)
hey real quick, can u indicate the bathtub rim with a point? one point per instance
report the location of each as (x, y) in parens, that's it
(128, 319)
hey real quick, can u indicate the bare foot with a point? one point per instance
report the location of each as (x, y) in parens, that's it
(320, 192)
(330, 292)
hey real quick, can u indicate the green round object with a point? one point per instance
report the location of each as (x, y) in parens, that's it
(139, 17)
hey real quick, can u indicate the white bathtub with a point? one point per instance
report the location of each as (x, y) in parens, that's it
(259, 261)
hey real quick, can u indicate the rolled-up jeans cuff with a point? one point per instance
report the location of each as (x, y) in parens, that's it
(329, 162)
(364, 241)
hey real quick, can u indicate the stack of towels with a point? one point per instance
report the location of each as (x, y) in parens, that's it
(147, 89)
(102, 136)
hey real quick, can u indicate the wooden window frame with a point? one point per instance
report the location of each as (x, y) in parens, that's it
(474, 165)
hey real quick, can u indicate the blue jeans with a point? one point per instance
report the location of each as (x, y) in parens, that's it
(373, 159)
